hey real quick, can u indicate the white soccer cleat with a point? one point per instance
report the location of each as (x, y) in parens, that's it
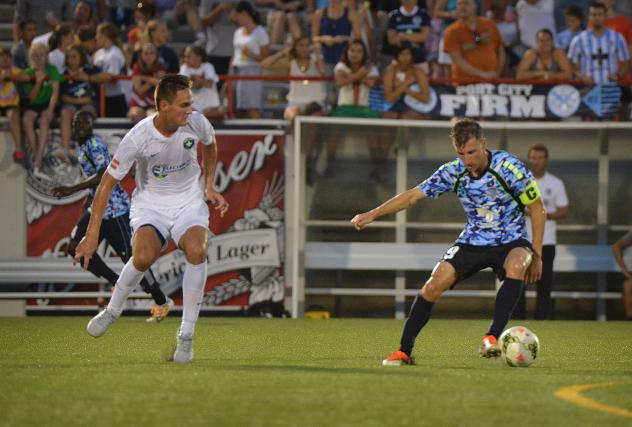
(100, 323)
(184, 349)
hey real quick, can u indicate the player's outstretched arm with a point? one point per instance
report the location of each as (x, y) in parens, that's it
(88, 245)
(538, 218)
(93, 181)
(209, 165)
(401, 201)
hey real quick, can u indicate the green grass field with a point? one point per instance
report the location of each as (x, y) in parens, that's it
(260, 372)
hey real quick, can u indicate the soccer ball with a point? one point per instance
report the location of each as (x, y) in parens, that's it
(519, 346)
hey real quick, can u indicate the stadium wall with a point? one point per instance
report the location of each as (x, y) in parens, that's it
(13, 190)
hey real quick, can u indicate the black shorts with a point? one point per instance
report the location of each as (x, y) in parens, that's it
(4, 110)
(38, 108)
(116, 231)
(468, 259)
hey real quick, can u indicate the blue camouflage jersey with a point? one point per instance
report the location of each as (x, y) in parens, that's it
(94, 156)
(494, 202)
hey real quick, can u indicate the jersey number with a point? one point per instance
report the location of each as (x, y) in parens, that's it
(449, 254)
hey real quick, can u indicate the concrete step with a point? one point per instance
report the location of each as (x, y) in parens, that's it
(6, 31)
(6, 11)
(183, 34)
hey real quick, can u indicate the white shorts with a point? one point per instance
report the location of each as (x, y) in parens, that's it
(171, 223)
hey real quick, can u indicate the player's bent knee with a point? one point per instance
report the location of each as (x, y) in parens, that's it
(144, 259)
(431, 292)
(195, 254)
(516, 270)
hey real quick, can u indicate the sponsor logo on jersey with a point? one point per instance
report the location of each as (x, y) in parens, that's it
(188, 143)
(162, 170)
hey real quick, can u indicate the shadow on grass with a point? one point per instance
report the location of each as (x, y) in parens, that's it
(378, 370)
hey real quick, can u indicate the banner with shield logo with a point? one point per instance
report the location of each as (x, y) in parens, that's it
(245, 252)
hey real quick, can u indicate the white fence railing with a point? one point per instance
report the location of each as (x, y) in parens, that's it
(403, 255)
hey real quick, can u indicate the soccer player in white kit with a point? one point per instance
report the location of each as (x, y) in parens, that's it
(168, 203)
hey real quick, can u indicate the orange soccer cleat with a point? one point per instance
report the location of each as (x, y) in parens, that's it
(489, 347)
(398, 358)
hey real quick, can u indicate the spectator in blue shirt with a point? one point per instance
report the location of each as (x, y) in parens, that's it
(573, 17)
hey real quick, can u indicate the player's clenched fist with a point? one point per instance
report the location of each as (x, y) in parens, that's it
(361, 220)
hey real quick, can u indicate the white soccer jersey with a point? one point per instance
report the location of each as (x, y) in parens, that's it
(598, 57)
(167, 169)
(553, 194)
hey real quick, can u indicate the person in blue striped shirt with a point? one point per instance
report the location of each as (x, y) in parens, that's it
(599, 55)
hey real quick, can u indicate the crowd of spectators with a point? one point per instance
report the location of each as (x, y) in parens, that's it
(66, 51)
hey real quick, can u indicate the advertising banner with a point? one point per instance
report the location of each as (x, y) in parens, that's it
(517, 101)
(246, 250)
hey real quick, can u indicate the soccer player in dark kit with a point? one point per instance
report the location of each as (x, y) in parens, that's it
(493, 187)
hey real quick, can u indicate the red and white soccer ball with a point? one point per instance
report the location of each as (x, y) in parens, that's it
(519, 346)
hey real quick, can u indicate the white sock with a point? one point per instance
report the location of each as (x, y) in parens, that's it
(128, 280)
(192, 292)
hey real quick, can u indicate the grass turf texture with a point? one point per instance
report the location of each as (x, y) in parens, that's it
(261, 372)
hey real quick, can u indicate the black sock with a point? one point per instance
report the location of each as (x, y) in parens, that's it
(154, 290)
(417, 319)
(100, 269)
(506, 300)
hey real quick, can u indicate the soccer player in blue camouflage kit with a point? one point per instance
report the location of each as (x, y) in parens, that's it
(494, 187)
(94, 159)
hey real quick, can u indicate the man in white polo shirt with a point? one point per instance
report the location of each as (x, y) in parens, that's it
(553, 194)
(168, 202)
